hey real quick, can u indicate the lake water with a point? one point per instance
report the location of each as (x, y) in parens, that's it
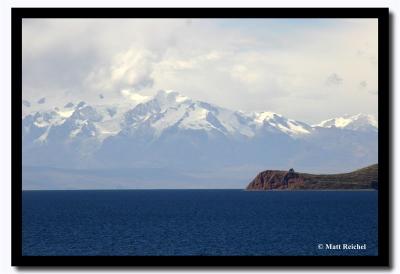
(197, 222)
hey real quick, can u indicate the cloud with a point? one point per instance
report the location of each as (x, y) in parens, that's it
(133, 96)
(240, 64)
(78, 58)
(130, 69)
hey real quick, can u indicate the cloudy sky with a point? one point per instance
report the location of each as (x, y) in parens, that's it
(306, 69)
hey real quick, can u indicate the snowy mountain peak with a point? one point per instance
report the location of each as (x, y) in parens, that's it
(363, 122)
(86, 112)
(279, 123)
(261, 117)
(44, 119)
(169, 112)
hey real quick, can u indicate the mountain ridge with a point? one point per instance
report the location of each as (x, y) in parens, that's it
(171, 108)
(172, 131)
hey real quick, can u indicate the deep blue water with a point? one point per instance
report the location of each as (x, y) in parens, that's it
(197, 222)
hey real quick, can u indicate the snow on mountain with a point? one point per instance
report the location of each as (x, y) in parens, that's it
(35, 127)
(112, 119)
(278, 122)
(171, 129)
(359, 122)
(168, 109)
(98, 121)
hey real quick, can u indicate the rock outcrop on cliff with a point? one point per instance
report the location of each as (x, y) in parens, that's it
(365, 178)
(276, 179)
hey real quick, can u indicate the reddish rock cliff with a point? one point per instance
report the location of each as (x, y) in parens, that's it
(364, 178)
(276, 179)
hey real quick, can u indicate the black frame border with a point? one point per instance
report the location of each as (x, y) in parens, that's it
(382, 14)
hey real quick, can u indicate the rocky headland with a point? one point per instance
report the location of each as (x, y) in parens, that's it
(364, 178)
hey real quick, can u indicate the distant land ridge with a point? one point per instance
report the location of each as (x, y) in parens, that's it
(364, 178)
(169, 140)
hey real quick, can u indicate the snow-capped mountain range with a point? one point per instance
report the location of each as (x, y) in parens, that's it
(360, 122)
(167, 109)
(172, 131)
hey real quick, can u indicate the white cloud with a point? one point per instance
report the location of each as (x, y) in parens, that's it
(277, 65)
(132, 95)
(132, 69)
